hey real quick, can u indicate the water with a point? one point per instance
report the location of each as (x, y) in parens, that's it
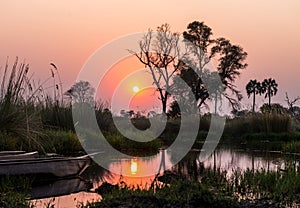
(71, 192)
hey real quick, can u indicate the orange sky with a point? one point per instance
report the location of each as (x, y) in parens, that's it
(67, 32)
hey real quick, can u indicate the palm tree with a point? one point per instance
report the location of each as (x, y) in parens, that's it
(253, 87)
(270, 87)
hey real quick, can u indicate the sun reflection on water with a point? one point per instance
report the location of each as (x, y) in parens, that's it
(133, 166)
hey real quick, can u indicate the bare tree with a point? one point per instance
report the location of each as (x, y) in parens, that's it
(159, 53)
(291, 103)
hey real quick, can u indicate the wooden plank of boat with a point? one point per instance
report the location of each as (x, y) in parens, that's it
(3, 153)
(19, 155)
(56, 166)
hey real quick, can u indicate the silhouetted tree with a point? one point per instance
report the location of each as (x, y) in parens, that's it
(155, 53)
(270, 87)
(253, 87)
(174, 111)
(216, 90)
(231, 61)
(81, 92)
(203, 47)
(131, 113)
(291, 103)
(200, 39)
(198, 89)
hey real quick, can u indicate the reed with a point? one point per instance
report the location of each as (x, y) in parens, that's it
(281, 186)
(56, 115)
(18, 117)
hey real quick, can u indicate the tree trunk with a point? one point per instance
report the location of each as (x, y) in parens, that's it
(253, 107)
(164, 101)
(269, 95)
(164, 105)
(163, 98)
(216, 103)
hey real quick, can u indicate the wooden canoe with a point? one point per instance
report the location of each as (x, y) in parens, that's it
(11, 155)
(55, 166)
(2, 153)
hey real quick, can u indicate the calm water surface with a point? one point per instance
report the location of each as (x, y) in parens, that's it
(68, 193)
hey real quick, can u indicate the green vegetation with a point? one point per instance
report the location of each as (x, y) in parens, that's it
(121, 143)
(178, 194)
(215, 189)
(18, 117)
(61, 142)
(281, 186)
(248, 189)
(14, 192)
(291, 147)
(259, 123)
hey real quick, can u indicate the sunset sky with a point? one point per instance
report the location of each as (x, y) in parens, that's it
(68, 32)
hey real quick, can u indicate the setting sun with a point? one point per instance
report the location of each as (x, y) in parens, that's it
(135, 89)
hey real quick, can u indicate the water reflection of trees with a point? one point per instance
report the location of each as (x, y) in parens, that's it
(230, 160)
(190, 166)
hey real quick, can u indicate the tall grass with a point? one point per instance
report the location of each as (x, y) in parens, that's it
(56, 115)
(26, 110)
(18, 116)
(279, 186)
